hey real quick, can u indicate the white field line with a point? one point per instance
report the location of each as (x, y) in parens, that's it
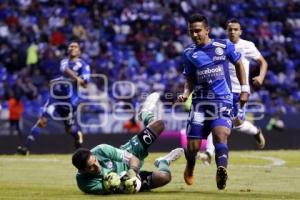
(275, 161)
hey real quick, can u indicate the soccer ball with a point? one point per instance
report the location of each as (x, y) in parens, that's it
(111, 181)
(130, 185)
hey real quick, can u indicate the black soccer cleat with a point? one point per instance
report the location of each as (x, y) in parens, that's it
(22, 151)
(221, 177)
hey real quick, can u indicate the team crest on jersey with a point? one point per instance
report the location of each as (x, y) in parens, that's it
(219, 51)
(109, 165)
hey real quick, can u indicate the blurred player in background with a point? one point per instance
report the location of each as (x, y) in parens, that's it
(132, 126)
(63, 100)
(16, 109)
(207, 75)
(249, 52)
(99, 169)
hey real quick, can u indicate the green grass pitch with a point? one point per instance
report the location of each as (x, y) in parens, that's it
(252, 175)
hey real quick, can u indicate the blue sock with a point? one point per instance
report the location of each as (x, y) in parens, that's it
(221, 156)
(35, 131)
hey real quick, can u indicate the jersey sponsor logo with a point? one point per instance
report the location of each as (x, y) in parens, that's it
(209, 75)
(208, 71)
(215, 58)
(219, 51)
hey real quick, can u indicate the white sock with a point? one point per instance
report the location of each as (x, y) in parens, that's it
(247, 128)
(210, 148)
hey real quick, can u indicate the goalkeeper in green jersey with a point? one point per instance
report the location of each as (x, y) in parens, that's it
(106, 169)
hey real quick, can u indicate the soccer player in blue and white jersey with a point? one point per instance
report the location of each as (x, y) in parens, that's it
(207, 75)
(64, 99)
(249, 52)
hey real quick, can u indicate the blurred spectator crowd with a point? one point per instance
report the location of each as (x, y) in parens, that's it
(141, 41)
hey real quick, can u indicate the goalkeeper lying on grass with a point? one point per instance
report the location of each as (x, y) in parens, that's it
(106, 169)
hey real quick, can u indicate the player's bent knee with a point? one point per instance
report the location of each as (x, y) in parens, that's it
(157, 126)
(165, 178)
(168, 178)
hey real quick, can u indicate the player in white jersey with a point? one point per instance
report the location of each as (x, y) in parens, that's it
(249, 52)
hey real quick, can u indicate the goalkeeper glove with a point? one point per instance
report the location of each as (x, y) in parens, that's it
(111, 181)
(131, 173)
(131, 186)
(130, 182)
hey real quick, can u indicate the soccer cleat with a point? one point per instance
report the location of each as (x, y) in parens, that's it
(78, 140)
(188, 175)
(204, 157)
(174, 155)
(260, 139)
(150, 104)
(22, 151)
(221, 177)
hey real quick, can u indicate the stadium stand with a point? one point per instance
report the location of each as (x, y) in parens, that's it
(141, 42)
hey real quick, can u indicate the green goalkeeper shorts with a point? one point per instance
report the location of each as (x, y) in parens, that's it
(135, 147)
(139, 144)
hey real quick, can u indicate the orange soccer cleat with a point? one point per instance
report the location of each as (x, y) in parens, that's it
(188, 175)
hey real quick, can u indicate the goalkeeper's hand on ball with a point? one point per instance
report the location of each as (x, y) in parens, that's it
(111, 182)
(130, 182)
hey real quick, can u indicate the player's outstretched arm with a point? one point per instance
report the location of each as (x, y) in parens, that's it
(263, 67)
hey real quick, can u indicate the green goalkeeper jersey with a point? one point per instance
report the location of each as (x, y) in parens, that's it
(111, 159)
